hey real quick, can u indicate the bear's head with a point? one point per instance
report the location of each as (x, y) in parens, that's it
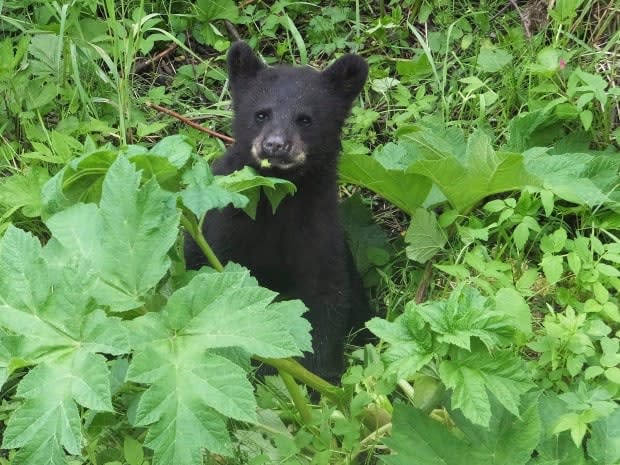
(289, 118)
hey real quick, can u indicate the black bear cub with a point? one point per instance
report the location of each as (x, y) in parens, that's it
(287, 123)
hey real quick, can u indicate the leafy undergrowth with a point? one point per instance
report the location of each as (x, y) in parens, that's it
(484, 171)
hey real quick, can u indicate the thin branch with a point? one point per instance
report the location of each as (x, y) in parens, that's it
(420, 295)
(190, 123)
(141, 66)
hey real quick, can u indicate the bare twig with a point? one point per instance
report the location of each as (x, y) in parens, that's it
(420, 295)
(191, 123)
(141, 66)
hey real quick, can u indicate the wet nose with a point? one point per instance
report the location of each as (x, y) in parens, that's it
(276, 146)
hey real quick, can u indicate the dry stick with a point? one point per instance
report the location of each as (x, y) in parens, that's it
(144, 64)
(189, 122)
(525, 22)
(420, 294)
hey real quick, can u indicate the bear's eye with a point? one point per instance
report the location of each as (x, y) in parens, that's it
(304, 120)
(261, 116)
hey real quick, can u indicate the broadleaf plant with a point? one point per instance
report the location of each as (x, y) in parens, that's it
(67, 305)
(465, 340)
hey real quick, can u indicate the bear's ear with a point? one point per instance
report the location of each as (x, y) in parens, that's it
(347, 75)
(242, 63)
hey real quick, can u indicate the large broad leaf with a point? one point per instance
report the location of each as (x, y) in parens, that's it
(604, 442)
(125, 240)
(193, 387)
(556, 449)
(507, 440)
(481, 173)
(418, 439)
(82, 179)
(406, 191)
(55, 314)
(470, 377)
(577, 177)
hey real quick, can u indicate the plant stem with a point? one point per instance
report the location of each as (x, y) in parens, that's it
(298, 398)
(289, 369)
(297, 371)
(194, 230)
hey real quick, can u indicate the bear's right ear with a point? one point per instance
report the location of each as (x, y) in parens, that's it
(242, 63)
(347, 75)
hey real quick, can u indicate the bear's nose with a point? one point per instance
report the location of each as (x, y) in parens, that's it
(275, 146)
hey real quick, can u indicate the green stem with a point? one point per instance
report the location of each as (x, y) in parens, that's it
(298, 398)
(289, 369)
(194, 230)
(297, 371)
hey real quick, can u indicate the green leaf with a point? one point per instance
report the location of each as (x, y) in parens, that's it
(406, 191)
(210, 10)
(23, 190)
(248, 182)
(553, 243)
(507, 441)
(553, 268)
(492, 59)
(415, 68)
(79, 181)
(192, 388)
(418, 439)
(126, 240)
(553, 448)
(46, 452)
(604, 443)
(595, 83)
(516, 310)
(132, 451)
(176, 149)
(470, 377)
(520, 235)
(391, 332)
(201, 194)
(586, 117)
(576, 177)
(50, 411)
(59, 321)
(481, 173)
(424, 236)
(465, 315)
(565, 10)
(410, 343)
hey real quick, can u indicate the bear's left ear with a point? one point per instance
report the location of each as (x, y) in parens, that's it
(347, 75)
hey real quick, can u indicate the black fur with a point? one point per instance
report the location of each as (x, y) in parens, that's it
(292, 117)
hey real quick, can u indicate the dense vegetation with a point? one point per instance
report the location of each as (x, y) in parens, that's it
(481, 178)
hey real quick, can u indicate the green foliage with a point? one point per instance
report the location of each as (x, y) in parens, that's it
(466, 339)
(193, 342)
(507, 441)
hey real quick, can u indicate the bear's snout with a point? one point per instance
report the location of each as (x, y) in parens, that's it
(275, 146)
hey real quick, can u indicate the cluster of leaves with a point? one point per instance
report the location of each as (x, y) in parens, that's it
(95, 314)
